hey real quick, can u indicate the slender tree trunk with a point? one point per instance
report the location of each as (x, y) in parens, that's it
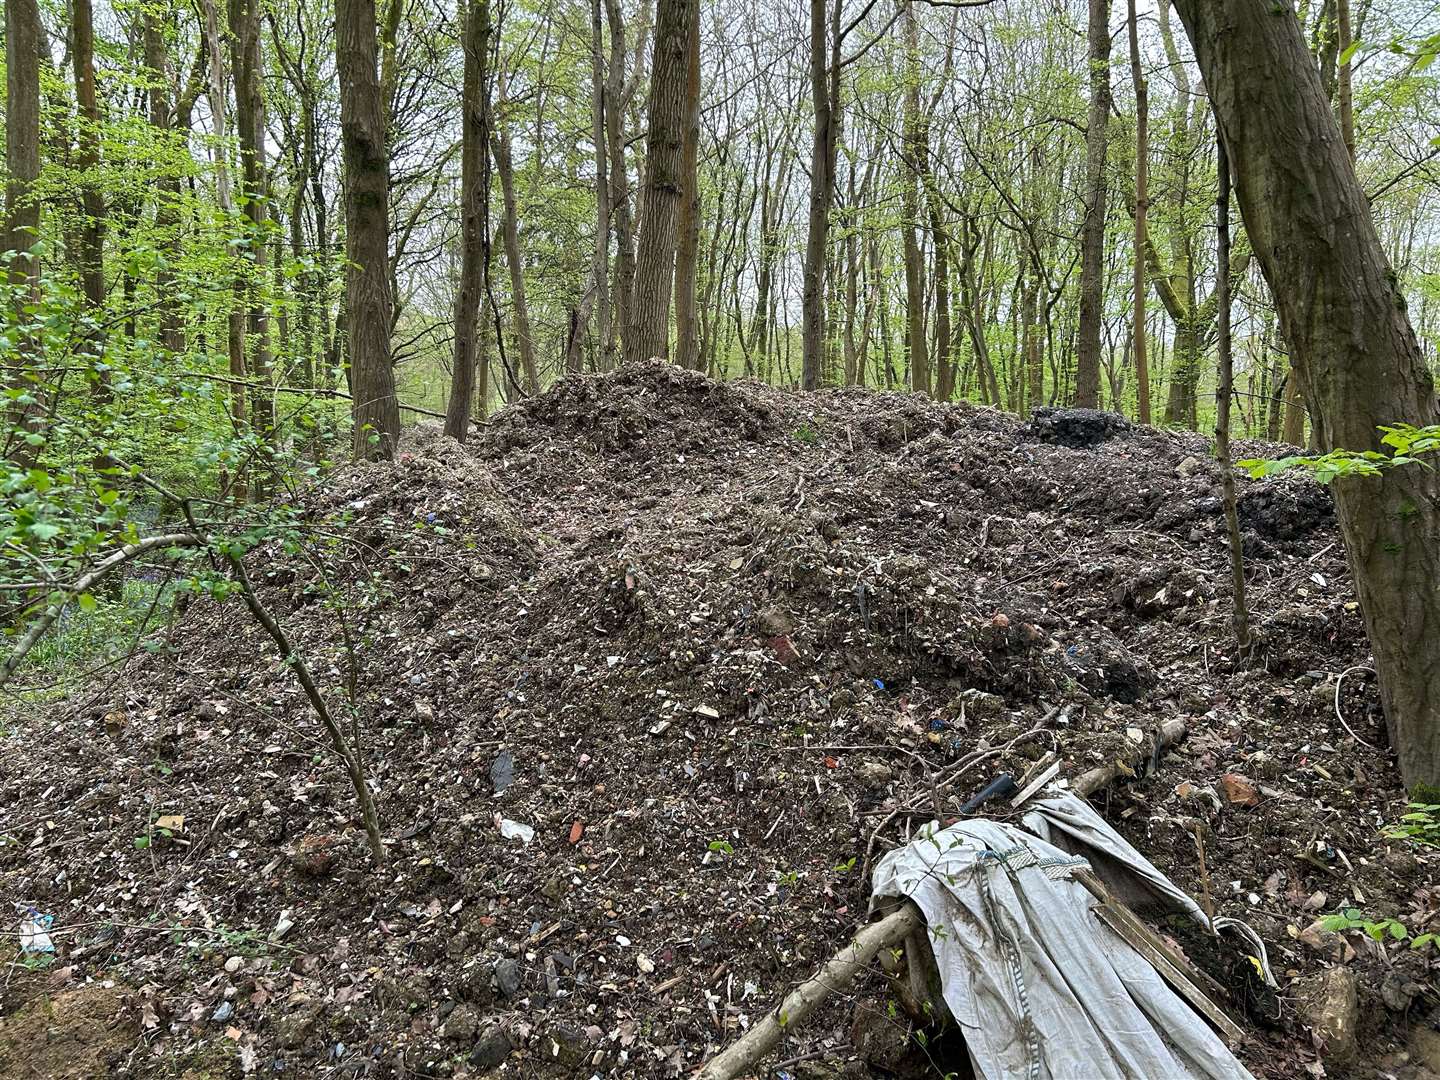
(368, 303)
(664, 145)
(1240, 614)
(167, 194)
(92, 227)
(915, 149)
(1344, 90)
(1343, 315)
(510, 232)
(474, 217)
(24, 46)
(1142, 209)
(824, 104)
(254, 198)
(616, 100)
(1092, 235)
(687, 251)
(235, 316)
(605, 347)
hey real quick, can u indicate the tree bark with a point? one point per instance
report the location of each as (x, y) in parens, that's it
(510, 234)
(1142, 207)
(1092, 234)
(254, 198)
(24, 45)
(92, 228)
(1343, 315)
(605, 349)
(474, 217)
(368, 303)
(824, 101)
(687, 250)
(1239, 614)
(910, 213)
(664, 144)
(167, 195)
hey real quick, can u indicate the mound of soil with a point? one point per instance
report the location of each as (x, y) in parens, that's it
(640, 673)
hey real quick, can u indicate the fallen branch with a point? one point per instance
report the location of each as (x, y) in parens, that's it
(82, 585)
(838, 973)
(1088, 783)
(897, 928)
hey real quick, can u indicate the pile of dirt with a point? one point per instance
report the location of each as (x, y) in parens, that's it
(702, 639)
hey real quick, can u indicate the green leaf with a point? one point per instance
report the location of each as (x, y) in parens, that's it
(141, 843)
(1349, 54)
(86, 602)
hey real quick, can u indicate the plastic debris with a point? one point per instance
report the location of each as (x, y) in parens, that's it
(34, 931)
(502, 771)
(515, 830)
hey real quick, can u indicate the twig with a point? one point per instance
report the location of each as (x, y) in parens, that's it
(82, 584)
(1340, 715)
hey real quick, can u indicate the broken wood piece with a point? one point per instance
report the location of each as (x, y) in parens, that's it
(1193, 985)
(1088, 783)
(1041, 778)
(837, 974)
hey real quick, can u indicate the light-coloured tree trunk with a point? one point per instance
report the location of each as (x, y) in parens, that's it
(510, 233)
(600, 267)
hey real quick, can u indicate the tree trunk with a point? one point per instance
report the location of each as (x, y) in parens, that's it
(1343, 315)
(254, 197)
(24, 46)
(510, 233)
(824, 74)
(616, 101)
(474, 217)
(234, 318)
(368, 303)
(605, 348)
(664, 143)
(1142, 209)
(687, 251)
(167, 195)
(92, 228)
(910, 214)
(1240, 614)
(1092, 235)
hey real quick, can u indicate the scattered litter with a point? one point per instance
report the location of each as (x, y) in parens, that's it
(502, 771)
(514, 830)
(35, 931)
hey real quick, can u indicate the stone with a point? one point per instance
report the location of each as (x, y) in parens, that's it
(565, 1045)
(296, 1028)
(492, 1047)
(1188, 467)
(508, 978)
(875, 773)
(1424, 1046)
(314, 855)
(1330, 1007)
(462, 1025)
(772, 622)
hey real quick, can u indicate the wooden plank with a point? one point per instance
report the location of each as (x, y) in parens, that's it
(1196, 987)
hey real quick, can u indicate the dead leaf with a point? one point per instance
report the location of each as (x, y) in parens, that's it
(173, 822)
(577, 831)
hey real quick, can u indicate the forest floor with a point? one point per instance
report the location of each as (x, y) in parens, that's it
(701, 638)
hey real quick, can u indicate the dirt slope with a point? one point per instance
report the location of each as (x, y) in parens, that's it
(702, 638)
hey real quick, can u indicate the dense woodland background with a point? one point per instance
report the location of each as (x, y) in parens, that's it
(190, 223)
